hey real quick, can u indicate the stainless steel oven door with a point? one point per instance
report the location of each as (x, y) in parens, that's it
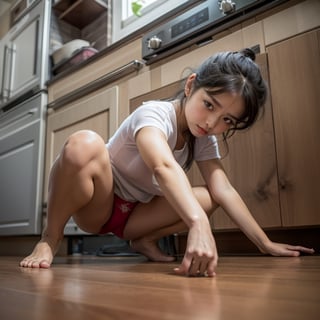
(198, 25)
(22, 135)
(24, 54)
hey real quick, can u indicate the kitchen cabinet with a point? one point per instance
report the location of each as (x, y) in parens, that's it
(275, 165)
(23, 75)
(22, 133)
(96, 111)
(79, 13)
(294, 67)
(24, 55)
(252, 169)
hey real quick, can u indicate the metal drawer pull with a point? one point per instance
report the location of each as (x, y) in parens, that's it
(19, 117)
(110, 77)
(33, 111)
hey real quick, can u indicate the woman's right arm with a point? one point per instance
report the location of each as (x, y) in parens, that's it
(201, 253)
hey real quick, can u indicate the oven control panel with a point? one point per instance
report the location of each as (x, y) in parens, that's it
(199, 24)
(198, 18)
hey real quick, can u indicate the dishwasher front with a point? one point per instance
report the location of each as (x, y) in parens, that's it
(22, 138)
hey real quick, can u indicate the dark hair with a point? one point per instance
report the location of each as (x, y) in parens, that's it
(234, 72)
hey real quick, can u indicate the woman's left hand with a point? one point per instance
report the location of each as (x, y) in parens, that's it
(286, 250)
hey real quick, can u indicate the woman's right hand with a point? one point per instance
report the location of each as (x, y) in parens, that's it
(201, 254)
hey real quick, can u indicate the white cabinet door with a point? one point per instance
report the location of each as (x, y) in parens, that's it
(21, 168)
(24, 67)
(24, 55)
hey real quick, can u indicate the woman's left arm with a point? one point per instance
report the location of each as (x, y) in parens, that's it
(229, 199)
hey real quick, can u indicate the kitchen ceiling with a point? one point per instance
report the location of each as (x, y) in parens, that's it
(5, 5)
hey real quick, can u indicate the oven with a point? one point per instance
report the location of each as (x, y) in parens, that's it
(198, 25)
(24, 61)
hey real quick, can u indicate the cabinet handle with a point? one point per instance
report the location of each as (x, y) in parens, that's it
(20, 117)
(108, 78)
(50, 111)
(32, 111)
(12, 56)
(5, 91)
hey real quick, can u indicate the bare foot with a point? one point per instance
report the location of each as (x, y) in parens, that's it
(41, 256)
(151, 250)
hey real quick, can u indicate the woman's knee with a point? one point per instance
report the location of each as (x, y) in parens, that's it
(205, 199)
(81, 148)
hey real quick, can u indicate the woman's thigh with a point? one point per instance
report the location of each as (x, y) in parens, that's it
(158, 214)
(98, 173)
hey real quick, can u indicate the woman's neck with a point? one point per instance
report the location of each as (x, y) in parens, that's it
(182, 128)
(180, 116)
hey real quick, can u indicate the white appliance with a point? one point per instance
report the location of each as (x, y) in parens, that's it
(24, 70)
(24, 63)
(22, 138)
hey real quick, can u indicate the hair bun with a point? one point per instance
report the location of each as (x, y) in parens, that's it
(249, 53)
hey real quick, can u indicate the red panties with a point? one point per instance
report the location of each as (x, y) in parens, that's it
(120, 215)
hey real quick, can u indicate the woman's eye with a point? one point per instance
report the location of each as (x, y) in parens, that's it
(229, 121)
(208, 105)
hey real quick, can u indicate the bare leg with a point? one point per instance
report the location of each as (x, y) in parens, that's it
(156, 219)
(81, 186)
(148, 245)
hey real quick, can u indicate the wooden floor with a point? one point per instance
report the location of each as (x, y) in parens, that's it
(132, 288)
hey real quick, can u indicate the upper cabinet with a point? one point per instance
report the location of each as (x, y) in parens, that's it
(79, 13)
(88, 20)
(24, 65)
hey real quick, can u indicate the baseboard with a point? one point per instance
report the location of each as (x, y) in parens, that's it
(228, 242)
(23, 245)
(235, 242)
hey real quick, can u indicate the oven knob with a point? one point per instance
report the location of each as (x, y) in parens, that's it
(154, 43)
(227, 6)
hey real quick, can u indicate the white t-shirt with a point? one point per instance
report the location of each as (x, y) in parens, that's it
(133, 179)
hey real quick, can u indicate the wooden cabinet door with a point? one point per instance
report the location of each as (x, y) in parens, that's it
(251, 168)
(294, 67)
(97, 112)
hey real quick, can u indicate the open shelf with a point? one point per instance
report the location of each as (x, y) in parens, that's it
(79, 13)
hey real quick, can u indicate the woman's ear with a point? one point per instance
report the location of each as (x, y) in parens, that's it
(189, 84)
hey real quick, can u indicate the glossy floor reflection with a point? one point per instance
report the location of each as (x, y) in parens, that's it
(132, 288)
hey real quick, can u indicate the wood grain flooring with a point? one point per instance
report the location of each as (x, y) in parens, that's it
(88, 287)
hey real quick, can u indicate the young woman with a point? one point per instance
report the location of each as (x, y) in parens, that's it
(136, 185)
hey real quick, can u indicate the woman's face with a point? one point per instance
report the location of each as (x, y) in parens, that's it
(207, 114)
